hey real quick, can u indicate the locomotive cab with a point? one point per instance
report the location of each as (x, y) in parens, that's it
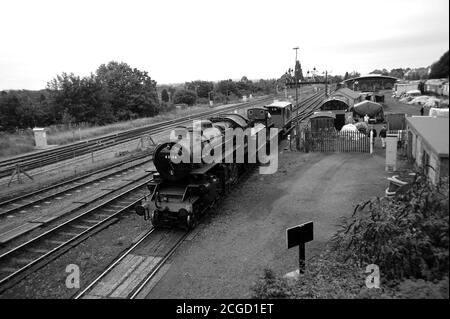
(281, 114)
(260, 115)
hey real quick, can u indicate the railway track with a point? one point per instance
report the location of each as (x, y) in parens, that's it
(54, 155)
(18, 262)
(40, 199)
(45, 195)
(141, 268)
(130, 275)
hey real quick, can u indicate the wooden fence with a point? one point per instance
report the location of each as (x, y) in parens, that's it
(334, 142)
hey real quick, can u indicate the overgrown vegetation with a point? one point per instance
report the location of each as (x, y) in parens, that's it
(407, 237)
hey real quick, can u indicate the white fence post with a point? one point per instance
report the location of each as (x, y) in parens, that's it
(371, 142)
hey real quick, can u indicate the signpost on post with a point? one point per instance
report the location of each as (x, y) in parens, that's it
(298, 236)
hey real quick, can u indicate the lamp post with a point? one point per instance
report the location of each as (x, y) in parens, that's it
(296, 79)
(326, 81)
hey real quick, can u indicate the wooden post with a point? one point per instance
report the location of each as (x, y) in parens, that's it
(151, 139)
(17, 171)
(301, 258)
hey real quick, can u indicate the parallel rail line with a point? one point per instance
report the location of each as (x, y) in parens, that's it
(16, 263)
(19, 203)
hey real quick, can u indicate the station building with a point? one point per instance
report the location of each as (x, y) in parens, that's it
(371, 82)
(428, 147)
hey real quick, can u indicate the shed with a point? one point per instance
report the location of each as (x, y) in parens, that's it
(322, 120)
(352, 96)
(336, 103)
(428, 139)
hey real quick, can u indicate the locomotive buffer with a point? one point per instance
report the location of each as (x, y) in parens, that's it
(298, 236)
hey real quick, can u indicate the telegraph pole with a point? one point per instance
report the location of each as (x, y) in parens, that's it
(296, 79)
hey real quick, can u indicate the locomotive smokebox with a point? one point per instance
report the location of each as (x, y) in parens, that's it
(168, 160)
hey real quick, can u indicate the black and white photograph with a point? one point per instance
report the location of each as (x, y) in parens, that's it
(224, 155)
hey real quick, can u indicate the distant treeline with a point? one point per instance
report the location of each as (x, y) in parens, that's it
(115, 92)
(438, 70)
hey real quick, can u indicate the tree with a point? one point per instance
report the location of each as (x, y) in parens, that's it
(398, 73)
(228, 87)
(298, 71)
(382, 72)
(165, 96)
(440, 69)
(355, 74)
(201, 88)
(184, 97)
(346, 76)
(75, 99)
(133, 92)
(9, 106)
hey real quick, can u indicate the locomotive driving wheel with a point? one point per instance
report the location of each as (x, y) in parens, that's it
(191, 221)
(154, 218)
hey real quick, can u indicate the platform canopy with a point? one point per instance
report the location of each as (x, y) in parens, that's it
(367, 107)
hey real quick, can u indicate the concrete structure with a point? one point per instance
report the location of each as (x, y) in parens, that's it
(428, 139)
(371, 82)
(403, 87)
(40, 137)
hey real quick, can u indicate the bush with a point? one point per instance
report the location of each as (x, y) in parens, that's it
(406, 236)
(326, 277)
(184, 97)
(269, 286)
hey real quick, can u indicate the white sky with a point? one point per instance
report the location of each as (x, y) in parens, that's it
(177, 41)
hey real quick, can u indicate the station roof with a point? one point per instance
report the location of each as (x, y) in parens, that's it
(372, 77)
(280, 104)
(434, 131)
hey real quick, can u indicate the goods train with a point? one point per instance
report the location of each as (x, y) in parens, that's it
(181, 191)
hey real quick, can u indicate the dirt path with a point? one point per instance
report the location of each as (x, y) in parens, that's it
(247, 233)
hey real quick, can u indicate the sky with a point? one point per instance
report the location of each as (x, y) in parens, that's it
(187, 40)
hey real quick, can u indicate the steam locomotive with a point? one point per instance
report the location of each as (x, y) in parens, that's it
(201, 163)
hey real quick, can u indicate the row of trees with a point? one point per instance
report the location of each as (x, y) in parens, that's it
(439, 69)
(222, 91)
(114, 92)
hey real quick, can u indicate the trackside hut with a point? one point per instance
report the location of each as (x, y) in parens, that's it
(428, 139)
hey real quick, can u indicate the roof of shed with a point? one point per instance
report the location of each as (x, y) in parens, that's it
(350, 93)
(434, 130)
(280, 104)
